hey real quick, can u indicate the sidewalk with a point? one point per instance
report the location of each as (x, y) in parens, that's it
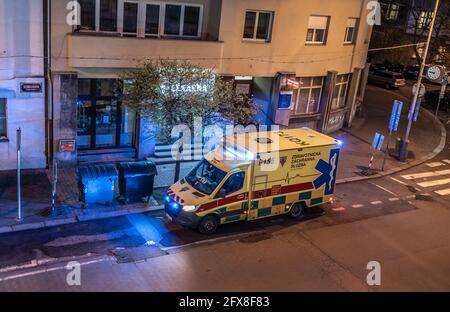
(427, 139)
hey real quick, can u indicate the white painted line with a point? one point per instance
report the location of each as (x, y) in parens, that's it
(446, 161)
(338, 209)
(434, 183)
(377, 202)
(435, 164)
(443, 192)
(58, 268)
(394, 199)
(427, 174)
(411, 196)
(384, 189)
(398, 181)
(357, 206)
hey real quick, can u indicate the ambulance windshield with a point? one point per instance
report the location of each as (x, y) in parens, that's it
(205, 177)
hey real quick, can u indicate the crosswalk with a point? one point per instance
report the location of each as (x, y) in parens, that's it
(436, 180)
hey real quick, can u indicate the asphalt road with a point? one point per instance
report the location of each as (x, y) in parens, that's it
(402, 222)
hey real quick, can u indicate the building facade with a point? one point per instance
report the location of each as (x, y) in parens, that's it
(303, 62)
(21, 83)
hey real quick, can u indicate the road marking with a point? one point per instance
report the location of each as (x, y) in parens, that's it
(377, 202)
(446, 161)
(427, 174)
(338, 209)
(435, 164)
(394, 199)
(357, 206)
(398, 181)
(443, 192)
(384, 189)
(434, 183)
(59, 268)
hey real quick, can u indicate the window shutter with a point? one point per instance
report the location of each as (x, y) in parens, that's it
(318, 22)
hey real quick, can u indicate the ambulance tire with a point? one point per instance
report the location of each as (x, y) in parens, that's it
(208, 224)
(297, 210)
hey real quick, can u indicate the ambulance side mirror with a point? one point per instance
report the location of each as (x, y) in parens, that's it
(221, 193)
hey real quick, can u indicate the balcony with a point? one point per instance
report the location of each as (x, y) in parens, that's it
(106, 51)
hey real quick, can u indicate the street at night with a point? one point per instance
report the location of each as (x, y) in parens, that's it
(228, 153)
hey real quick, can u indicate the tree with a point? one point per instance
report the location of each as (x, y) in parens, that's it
(171, 93)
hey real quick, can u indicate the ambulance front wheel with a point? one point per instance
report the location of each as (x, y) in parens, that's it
(297, 210)
(208, 224)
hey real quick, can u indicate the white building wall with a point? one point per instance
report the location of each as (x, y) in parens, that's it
(21, 61)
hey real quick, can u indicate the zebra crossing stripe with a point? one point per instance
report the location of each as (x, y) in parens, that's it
(394, 199)
(446, 161)
(434, 183)
(435, 164)
(443, 192)
(427, 174)
(378, 202)
(357, 206)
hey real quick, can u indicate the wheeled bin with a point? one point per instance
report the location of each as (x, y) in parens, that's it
(136, 180)
(97, 184)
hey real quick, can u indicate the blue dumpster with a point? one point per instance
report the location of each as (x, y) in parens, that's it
(97, 184)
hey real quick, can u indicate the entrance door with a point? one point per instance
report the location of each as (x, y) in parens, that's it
(102, 122)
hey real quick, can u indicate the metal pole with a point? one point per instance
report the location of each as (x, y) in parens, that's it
(443, 88)
(19, 202)
(404, 148)
(54, 184)
(387, 150)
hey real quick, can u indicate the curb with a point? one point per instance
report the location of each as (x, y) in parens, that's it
(411, 164)
(75, 219)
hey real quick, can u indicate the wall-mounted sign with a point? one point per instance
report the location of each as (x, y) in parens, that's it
(66, 146)
(31, 87)
(285, 100)
(293, 83)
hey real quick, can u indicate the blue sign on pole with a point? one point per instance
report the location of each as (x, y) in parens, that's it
(395, 116)
(377, 141)
(416, 112)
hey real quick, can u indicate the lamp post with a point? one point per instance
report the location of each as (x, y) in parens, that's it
(404, 146)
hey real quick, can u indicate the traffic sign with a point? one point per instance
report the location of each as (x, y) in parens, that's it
(395, 116)
(421, 91)
(378, 140)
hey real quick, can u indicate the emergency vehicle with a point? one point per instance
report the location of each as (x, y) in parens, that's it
(256, 175)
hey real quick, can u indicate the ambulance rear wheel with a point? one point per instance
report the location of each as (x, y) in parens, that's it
(297, 210)
(208, 224)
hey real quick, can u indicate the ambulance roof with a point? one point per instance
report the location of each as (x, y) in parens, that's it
(281, 140)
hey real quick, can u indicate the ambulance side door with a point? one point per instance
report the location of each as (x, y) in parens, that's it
(233, 198)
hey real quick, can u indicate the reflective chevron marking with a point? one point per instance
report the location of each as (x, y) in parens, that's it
(434, 183)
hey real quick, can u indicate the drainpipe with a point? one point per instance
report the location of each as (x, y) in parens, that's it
(48, 82)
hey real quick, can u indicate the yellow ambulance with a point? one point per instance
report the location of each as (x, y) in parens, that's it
(256, 175)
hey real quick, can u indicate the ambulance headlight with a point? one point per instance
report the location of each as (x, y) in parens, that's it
(189, 208)
(340, 143)
(250, 156)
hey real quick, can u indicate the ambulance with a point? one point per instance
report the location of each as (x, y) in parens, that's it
(256, 175)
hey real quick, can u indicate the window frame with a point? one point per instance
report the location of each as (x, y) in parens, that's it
(310, 89)
(393, 8)
(228, 178)
(355, 31)
(255, 26)
(339, 85)
(4, 119)
(325, 35)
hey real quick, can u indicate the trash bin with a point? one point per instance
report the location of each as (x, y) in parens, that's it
(136, 180)
(97, 183)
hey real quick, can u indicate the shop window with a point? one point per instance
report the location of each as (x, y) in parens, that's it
(3, 124)
(307, 97)
(317, 29)
(258, 25)
(340, 91)
(350, 31)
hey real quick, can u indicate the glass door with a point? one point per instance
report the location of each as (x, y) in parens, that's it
(105, 123)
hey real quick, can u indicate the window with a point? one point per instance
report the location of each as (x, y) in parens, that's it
(340, 91)
(3, 126)
(87, 14)
(152, 13)
(392, 12)
(205, 177)
(234, 183)
(258, 25)
(424, 20)
(108, 15)
(317, 30)
(130, 17)
(182, 20)
(307, 97)
(350, 31)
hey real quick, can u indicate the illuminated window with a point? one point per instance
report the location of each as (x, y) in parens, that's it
(307, 97)
(3, 126)
(392, 12)
(424, 20)
(340, 91)
(258, 25)
(317, 29)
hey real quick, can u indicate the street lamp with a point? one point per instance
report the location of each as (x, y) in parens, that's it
(403, 154)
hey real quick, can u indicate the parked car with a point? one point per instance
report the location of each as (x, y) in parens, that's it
(388, 79)
(432, 99)
(412, 72)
